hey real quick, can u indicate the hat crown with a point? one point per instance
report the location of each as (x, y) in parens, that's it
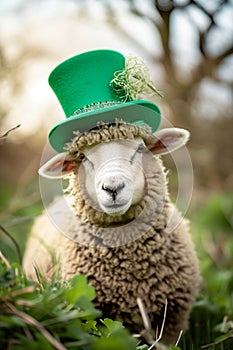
(85, 79)
(94, 87)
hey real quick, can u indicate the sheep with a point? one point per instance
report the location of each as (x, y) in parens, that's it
(118, 226)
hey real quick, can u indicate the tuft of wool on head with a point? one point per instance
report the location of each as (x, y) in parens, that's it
(105, 132)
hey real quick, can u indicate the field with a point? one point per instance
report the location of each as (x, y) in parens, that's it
(54, 316)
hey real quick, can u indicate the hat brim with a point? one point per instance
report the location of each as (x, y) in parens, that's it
(134, 112)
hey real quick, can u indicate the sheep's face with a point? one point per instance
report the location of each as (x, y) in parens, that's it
(112, 174)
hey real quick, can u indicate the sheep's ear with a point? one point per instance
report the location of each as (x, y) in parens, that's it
(57, 167)
(168, 140)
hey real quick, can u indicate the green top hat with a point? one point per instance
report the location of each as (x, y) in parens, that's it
(82, 86)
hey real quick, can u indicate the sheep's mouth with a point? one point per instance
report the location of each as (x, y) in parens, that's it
(116, 209)
(115, 206)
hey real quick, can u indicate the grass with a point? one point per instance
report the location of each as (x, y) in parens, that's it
(212, 315)
(18, 208)
(52, 315)
(62, 316)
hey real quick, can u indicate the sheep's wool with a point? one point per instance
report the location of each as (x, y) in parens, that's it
(111, 231)
(105, 132)
(156, 265)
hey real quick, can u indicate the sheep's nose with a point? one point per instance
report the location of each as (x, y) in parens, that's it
(113, 190)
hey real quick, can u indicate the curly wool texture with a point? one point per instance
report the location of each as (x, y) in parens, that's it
(124, 257)
(106, 132)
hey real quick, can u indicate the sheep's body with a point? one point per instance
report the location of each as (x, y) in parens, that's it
(124, 257)
(156, 267)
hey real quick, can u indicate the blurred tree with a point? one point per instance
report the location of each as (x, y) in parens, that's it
(11, 68)
(15, 57)
(191, 49)
(195, 55)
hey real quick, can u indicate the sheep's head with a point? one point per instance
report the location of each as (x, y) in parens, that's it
(112, 174)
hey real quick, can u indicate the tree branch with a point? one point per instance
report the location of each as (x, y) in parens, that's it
(6, 133)
(223, 55)
(203, 35)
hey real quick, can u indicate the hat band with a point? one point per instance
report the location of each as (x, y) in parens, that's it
(100, 105)
(95, 106)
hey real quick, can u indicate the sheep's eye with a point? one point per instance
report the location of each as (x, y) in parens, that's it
(140, 148)
(84, 158)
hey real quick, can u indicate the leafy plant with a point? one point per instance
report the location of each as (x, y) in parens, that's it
(211, 325)
(52, 315)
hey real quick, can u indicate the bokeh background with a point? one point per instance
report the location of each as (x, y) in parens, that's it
(188, 45)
